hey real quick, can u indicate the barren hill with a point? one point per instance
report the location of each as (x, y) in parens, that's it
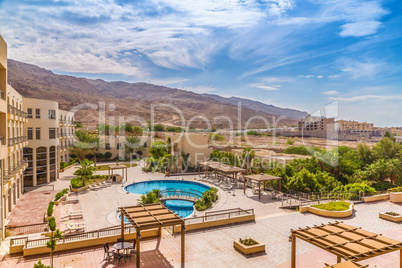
(137, 99)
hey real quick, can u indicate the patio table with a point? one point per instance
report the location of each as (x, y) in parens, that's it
(122, 245)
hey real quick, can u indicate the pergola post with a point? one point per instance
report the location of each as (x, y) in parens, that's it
(244, 188)
(293, 251)
(183, 245)
(122, 224)
(138, 248)
(338, 259)
(259, 189)
(400, 258)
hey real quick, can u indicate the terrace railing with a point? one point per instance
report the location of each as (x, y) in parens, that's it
(220, 215)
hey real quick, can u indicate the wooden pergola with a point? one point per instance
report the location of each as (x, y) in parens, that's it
(345, 241)
(151, 216)
(220, 167)
(261, 178)
(114, 167)
(346, 264)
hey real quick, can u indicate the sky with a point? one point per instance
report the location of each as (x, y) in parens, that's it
(303, 54)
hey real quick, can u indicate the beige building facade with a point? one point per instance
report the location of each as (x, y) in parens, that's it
(12, 141)
(344, 125)
(50, 135)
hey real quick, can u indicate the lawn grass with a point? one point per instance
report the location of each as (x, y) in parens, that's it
(334, 206)
(106, 167)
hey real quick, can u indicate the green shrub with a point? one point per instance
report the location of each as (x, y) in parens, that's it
(216, 137)
(151, 197)
(302, 150)
(62, 164)
(334, 206)
(290, 142)
(382, 186)
(52, 224)
(60, 194)
(208, 198)
(50, 209)
(40, 265)
(253, 133)
(78, 183)
(395, 190)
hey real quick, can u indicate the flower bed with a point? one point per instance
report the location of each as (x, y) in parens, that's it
(391, 216)
(248, 246)
(77, 182)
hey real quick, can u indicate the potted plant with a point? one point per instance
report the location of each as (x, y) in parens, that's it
(248, 245)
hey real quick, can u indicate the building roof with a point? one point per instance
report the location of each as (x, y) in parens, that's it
(117, 166)
(221, 167)
(150, 216)
(346, 241)
(262, 177)
(346, 264)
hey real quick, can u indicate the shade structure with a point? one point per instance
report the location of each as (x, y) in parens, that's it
(117, 167)
(345, 241)
(220, 167)
(261, 178)
(346, 264)
(151, 216)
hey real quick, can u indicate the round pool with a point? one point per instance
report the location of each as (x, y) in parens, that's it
(181, 207)
(148, 186)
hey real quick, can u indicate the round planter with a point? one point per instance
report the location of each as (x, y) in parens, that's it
(327, 213)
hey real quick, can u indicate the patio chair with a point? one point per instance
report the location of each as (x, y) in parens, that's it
(72, 214)
(131, 250)
(120, 240)
(75, 228)
(108, 253)
(117, 257)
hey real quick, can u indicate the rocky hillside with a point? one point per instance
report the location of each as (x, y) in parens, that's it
(137, 99)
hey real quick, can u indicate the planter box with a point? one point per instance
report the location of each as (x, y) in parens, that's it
(47, 218)
(60, 200)
(326, 213)
(260, 247)
(395, 197)
(86, 187)
(376, 198)
(385, 216)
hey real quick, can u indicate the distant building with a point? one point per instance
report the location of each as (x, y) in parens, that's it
(344, 125)
(321, 127)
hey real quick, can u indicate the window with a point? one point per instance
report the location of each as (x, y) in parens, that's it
(30, 133)
(37, 133)
(119, 145)
(52, 114)
(37, 113)
(29, 112)
(52, 133)
(107, 146)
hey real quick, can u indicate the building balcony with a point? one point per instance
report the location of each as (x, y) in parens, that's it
(10, 173)
(15, 111)
(17, 140)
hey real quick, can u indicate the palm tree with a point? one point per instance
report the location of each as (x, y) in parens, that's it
(85, 170)
(132, 142)
(248, 156)
(81, 152)
(395, 169)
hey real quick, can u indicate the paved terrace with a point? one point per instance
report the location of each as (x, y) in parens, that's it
(214, 247)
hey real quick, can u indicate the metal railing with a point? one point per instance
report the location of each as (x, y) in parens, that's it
(111, 231)
(16, 111)
(16, 140)
(27, 229)
(220, 215)
(13, 170)
(190, 194)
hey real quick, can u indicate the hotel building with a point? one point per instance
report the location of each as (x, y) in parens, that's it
(12, 122)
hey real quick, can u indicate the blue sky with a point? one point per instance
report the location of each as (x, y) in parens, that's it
(296, 54)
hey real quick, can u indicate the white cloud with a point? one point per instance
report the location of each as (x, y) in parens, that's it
(320, 76)
(331, 92)
(334, 76)
(363, 69)
(361, 28)
(265, 87)
(368, 98)
(307, 76)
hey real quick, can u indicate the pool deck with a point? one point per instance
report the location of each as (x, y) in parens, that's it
(214, 247)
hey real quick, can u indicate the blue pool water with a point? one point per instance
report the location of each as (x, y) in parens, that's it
(148, 186)
(181, 207)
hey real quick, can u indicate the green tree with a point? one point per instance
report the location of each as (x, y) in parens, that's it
(248, 156)
(52, 243)
(387, 149)
(132, 143)
(40, 265)
(85, 170)
(390, 135)
(158, 149)
(150, 197)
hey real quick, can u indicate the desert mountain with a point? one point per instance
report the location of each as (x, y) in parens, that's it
(137, 99)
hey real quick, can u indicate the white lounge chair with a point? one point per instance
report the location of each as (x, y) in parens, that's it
(77, 213)
(71, 227)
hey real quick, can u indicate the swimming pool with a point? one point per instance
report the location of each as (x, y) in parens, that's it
(148, 186)
(182, 207)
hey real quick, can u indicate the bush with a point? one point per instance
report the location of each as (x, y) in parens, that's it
(77, 181)
(334, 206)
(151, 197)
(159, 127)
(60, 194)
(382, 186)
(40, 265)
(108, 155)
(395, 190)
(52, 224)
(50, 209)
(208, 198)
(216, 137)
(302, 150)
(253, 133)
(290, 142)
(62, 164)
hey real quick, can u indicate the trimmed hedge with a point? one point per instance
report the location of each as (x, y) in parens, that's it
(77, 181)
(50, 209)
(60, 194)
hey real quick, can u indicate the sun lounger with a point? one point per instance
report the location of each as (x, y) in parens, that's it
(74, 228)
